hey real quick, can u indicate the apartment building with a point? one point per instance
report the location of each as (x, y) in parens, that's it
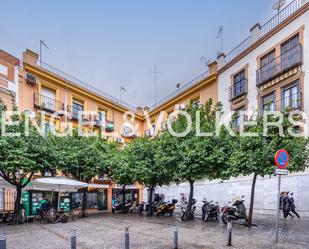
(45, 89)
(266, 71)
(9, 66)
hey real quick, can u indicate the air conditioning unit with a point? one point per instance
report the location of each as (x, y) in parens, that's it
(31, 79)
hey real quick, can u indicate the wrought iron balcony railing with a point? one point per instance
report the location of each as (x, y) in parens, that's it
(287, 104)
(238, 89)
(285, 62)
(47, 104)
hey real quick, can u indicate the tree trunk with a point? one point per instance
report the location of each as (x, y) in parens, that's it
(84, 203)
(17, 204)
(123, 199)
(189, 207)
(250, 217)
(150, 211)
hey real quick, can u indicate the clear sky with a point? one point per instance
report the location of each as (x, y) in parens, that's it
(113, 43)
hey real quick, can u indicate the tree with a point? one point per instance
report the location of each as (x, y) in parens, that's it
(22, 156)
(199, 157)
(255, 155)
(122, 171)
(144, 157)
(80, 157)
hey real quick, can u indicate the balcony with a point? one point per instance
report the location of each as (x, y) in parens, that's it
(238, 90)
(288, 104)
(280, 65)
(47, 104)
(74, 111)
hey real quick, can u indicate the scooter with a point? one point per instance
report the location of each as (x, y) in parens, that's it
(184, 210)
(235, 212)
(165, 208)
(145, 207)
(119, 206)
(210, 210)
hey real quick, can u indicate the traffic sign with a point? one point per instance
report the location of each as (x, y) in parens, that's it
(282, 159)
(281, 172)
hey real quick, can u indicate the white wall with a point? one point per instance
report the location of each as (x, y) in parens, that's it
(224, 80)
(265, 191)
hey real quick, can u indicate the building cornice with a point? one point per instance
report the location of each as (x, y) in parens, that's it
(286, 22)
(49, 76)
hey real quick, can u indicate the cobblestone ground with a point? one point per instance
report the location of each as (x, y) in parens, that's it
(106, 231)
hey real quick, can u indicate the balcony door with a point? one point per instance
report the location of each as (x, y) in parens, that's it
(291, 97)
(268, 66)
(268, 102)
(239, 84)
(48, 99)
(77, 107)
(290, 52)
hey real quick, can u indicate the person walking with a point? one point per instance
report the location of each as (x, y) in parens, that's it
(286, 207)
(292, 205)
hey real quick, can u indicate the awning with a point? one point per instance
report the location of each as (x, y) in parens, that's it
(58, 184)
(94, 185)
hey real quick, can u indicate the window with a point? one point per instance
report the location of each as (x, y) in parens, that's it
(239, 84)
(291, 97)
(77, 107)
(3, 70)
(238, 118)
(268, 102)
(48, 99)
(290, 53)
(289, 44)
(102, 116)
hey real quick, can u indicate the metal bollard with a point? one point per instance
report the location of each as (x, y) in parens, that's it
(175, 238)
(2, 241)
(126, 238)
(229, 233)
(73, 239)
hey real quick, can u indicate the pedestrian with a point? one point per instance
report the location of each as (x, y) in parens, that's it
(292, 205)
(286, 207)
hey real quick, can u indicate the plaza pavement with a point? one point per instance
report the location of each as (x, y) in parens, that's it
(106, 231)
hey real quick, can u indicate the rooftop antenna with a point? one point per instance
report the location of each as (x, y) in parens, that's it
(278, 5)
(220, 36)
(44, 44)
(155, 75)
(122, 89)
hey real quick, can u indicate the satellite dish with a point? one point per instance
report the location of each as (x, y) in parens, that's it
(279, 4)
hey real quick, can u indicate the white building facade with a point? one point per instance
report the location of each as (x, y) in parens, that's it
(267, 71)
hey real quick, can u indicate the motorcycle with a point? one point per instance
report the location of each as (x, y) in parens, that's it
(210, 210)
(184, 207)
(165, 208)
(145, 207)
(119, 206)
(235, 212)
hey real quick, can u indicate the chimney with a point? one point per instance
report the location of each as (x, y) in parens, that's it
(139, 111)
(221, 60)
(255, 32)
(213, 69)
(30, 57)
